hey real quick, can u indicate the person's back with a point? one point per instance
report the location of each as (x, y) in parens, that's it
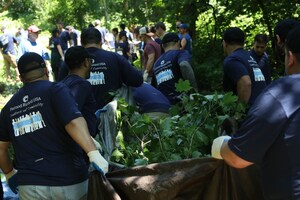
(80, 88)
(242, 75)
(109, 70)
(249, 66)
(53, 162)
(149, 100)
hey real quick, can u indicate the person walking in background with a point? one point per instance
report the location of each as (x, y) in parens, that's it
(57, 55)
(242, 75)
(258, 52)
(186, 40)
(171, 66)
(74, 34)
(48, 137)
(64, 36)
(7, 41)
(151, 53)
(31, 44)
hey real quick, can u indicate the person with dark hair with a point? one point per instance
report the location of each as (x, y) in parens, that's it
(122, 47)
(57, 55)
(171, 66)
(160, 29)
(64, 36)
(269, 136)
(281, 30)
(109, 70)
(48, 138)
(79, 62)
(258, 52)
(242, 75)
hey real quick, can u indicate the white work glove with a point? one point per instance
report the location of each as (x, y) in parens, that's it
(145, 75)
(98, 162)
(97, 144)
(216, 146)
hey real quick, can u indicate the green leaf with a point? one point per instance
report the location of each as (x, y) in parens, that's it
(118, 155)
(183, 86)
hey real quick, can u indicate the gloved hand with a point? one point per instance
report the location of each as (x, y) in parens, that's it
(97, 144)
(98, 162)
(145, 75)
(11, 179)
(216, 146)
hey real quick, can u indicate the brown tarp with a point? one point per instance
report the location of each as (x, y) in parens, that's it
(191, 179)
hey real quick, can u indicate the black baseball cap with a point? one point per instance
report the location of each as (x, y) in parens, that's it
(234, 35)
(76, 55)
(30, 61)
(170, 37)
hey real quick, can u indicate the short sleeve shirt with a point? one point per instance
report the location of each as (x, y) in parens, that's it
(239, 64)
(34, 121)
(167, 72)
(270, 137)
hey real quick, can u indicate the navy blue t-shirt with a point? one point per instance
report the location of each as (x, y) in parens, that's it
(167, 73)
(7, 41)
(82, 91)
(149, 99)
(34, 121)
(64, 39)
(264, 64)
(239, 64)
(122, 48)
(270, 137)
(108, 72)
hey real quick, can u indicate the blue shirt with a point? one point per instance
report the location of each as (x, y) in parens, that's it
(7, 41)
(167, 73)
(238, 64)
(29, 46)
(149, 99)
(264, 64)
(64, 39)
(82, 91)
(270, 137)
(34, 121)
(108, 72)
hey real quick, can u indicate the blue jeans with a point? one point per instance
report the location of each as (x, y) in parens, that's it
(70, 192)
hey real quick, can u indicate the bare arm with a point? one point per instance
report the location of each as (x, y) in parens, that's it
(78, 130)
(231, 158)
(5, 161)
(149, 65)
(244, 88)
(188, 73)
(183, 43)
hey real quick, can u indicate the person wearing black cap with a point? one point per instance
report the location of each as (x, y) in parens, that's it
(242, 74)
(171, 66)
(48, 137)
(78, 61)
(269, 136)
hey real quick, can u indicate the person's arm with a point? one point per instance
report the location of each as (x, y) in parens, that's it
(188, 73)
(78, 130)
(244, 88)
(60, 52)
(5, 161)
(149, 64)
(231, 158)
(183, 43)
